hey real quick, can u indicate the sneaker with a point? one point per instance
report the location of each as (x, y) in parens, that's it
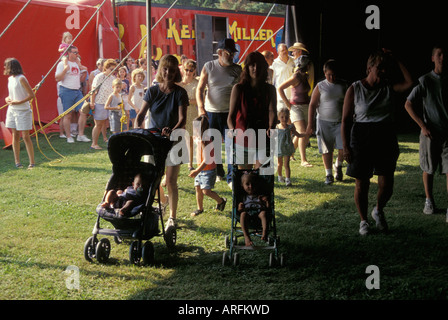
(281, 179)
(222, 205)
(339, 174)
(170, 223)
(429, 207)
(380, 220)
(62, 136)
(364, 228)
(196, 212)
(329, 180)
(83, 139)
(288, 182)
(70, 140)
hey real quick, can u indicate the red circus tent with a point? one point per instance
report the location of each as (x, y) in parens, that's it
(34, 37)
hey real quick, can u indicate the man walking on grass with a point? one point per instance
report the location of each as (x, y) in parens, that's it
(431, 94)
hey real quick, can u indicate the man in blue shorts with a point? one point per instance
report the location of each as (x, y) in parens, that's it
(70, 74)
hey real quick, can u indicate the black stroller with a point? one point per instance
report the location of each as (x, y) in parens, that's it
(135, 151)
(266, 185)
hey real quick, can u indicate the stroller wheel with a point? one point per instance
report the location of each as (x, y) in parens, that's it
(282, 260)
(102, 251)
(225, 259)
(236, 259)
(170, 237)
(117, 240)
(272, 260)
(134, 253)
(89, 248)
(148, 253)
(227, 242)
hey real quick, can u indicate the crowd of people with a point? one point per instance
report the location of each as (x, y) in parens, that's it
(264, 94)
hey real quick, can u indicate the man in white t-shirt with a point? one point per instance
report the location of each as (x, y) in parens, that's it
(283, 67)
(219, 76)
(70, 75)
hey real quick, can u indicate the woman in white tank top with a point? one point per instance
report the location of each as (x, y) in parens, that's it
(19, 115)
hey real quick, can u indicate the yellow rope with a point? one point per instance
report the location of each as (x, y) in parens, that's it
(46, 137)
(123, 118)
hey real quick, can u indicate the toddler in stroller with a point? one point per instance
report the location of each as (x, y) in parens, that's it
(132, 197)
(253, 206)
(253, 216)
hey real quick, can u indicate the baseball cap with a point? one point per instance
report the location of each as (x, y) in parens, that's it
(227, 44)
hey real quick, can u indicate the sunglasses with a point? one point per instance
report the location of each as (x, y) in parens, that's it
(189, 70)
(75, 52)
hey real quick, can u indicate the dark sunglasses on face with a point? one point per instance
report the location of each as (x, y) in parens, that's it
(189, 70)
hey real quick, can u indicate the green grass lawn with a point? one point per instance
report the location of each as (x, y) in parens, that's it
(46, 215)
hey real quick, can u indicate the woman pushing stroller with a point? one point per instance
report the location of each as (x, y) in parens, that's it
(167, 102)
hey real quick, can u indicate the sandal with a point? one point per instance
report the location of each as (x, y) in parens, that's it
(96, 148)
(31, 166)
(19, 165)
(306, 164)
(196, 212)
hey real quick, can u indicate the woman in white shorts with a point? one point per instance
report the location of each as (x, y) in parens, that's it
(19, 117)
(328, 99)
(298, 105)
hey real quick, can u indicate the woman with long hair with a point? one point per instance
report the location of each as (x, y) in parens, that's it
(167, 103)
(298, 104)
(253, 105)
(19, 117)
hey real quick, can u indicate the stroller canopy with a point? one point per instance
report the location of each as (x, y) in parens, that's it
(129, 147)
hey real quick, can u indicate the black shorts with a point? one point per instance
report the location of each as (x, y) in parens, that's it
(375, 150)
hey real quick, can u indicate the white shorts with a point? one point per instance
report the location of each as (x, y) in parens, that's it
(329, 136)
(299, 112)
(21, 120)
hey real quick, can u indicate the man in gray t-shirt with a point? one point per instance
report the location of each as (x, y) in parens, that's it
(219, 76)
(431, 94)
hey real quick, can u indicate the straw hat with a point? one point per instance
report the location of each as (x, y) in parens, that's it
(298, 46)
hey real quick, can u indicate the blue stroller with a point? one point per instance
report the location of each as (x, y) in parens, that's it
(137, 151)
(266, 187)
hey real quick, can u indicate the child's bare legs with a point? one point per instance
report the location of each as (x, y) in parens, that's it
(199, 198)
(212, 194)
(247, 240)
(262, 216)
(126, 208)
(110, 199)
(287, 167)
(279, 166)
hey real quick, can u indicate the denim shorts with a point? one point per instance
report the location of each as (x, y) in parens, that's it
(69, 97)
(205, 179)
